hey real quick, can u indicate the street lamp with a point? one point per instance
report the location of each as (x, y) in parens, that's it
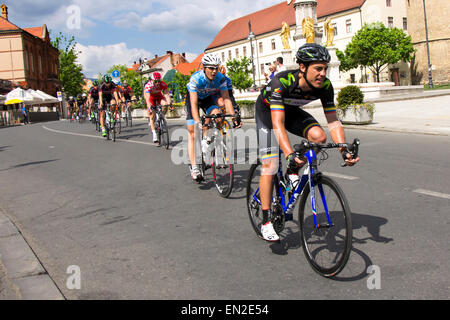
(430, 79)
(251, 37)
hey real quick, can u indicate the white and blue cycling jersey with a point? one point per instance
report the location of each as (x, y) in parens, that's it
(204, 87)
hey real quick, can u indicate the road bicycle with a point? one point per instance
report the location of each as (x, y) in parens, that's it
(217, 151)
(112, 122)
(324, 214)
(128, 110)
(161, 127)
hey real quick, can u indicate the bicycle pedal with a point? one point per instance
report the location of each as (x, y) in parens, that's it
(325, 226)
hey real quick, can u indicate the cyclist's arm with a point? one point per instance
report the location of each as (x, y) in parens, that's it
(100, 98)
(226, 98)
(167, 96)
(147, 99)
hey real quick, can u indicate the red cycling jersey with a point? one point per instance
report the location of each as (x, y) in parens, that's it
(155, 89)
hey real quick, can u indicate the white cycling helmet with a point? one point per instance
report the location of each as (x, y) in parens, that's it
(211, 59)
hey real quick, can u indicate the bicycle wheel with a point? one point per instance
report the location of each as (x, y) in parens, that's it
(163, 133)
(327, 247)
(222, 168)
(254, 202)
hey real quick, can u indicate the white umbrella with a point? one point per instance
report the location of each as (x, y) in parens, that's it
(37, 99)
(20, 94)
(48, 98)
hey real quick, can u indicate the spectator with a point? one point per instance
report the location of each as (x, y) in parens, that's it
(25, 114)
(272, 70)
(280, 66)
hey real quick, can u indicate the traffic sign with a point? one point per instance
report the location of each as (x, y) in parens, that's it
(115, 74)
(59, 95)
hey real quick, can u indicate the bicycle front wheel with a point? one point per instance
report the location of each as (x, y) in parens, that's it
(328, 242)
(164, 133)
(222, 166)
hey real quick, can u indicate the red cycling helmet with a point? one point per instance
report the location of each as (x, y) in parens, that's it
(155, 76)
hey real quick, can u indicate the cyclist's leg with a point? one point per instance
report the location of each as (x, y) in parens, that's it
(194, 151)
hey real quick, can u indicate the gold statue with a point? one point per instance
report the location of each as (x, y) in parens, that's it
(329, 32)
(308, 29)
(285, 35)
(288, 2)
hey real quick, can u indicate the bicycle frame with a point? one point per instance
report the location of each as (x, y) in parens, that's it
(308, 176)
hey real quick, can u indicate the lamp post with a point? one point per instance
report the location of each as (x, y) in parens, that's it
(250, 37)
(430, 78)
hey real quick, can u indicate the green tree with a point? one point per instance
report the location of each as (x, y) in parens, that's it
(71, 73)
(179, 83)
(131, 76)
(375, 46)
(239, 72)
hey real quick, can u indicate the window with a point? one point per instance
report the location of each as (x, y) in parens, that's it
(229, 54)
(348, 25)
(41, 71)
(390, 22)
(388, 3)
(335, 29)
(260, 47)
(25, 59)
(223, 56)
(405, 24)
(32, 61)
(262, 68)
(237, 53)
(245, 51)
(273, 45)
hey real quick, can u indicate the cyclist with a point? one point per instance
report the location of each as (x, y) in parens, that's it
(278, 111)
(93, 97)
(72, 107)
(202, 87)
(127, 96)
(107, 93)
(156, 93)
(81, 101)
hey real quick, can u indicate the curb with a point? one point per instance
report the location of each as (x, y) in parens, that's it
(24, 271)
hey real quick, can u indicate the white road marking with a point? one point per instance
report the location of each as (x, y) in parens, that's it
(97, 137)
(432, 193)
(342, 176)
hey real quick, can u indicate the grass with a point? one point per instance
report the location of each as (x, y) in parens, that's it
(437, 87)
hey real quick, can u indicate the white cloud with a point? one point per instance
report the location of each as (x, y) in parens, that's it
(98, 59)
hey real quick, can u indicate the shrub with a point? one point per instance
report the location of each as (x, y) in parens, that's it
(350, 95)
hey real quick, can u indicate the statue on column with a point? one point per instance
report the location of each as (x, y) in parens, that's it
(285, 35)
(329, 32)
(308, 29)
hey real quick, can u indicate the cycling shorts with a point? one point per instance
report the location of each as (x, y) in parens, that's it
(106, 100)
(207, 105)
(297, 122)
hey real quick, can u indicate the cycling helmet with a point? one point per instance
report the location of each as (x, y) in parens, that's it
(155, 76)
(95, 83)
(311, 52)
(211, 59)
(70, 98)
(84, 95)
(107, 78)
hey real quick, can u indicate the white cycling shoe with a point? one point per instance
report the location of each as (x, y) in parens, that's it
(196, 174)
(268, 232)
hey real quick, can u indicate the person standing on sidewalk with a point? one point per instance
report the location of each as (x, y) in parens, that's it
(25, 114)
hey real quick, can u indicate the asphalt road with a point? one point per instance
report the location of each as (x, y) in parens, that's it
(137, 227)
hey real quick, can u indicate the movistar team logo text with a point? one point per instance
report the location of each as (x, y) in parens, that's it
(287, 82)
(326, 84)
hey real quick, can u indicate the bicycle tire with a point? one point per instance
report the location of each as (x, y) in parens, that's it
(334, 241)
(223, 170)
(164, 133)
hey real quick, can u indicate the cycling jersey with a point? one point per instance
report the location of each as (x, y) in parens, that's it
(107, 91)
(93, 92)
(283, 94)
(127, 93)
(155, 89)
(204, 87)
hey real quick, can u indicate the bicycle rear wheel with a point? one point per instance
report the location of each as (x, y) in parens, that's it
(223, 171)
(327, 247)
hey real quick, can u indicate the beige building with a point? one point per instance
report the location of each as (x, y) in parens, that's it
(27, 57)
(347, 17)
(438, 22)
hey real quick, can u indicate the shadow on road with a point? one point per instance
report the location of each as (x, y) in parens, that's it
(26, 164)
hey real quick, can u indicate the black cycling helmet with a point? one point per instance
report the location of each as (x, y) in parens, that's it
(95, 83)
(107, 78)
(311, 52)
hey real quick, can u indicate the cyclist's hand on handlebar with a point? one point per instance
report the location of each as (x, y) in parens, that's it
(293, 161)
(349, 160)
(237, 123)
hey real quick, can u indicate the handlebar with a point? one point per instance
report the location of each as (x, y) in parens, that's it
(219, 116)
(351, 148)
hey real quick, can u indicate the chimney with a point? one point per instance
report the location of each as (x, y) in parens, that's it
(183, 55)
(4, 11)
(156, 56)
(169, 53)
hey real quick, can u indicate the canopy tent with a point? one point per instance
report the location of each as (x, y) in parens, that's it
(29, 97)
(47, 98)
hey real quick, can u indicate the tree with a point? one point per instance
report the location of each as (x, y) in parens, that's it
(179, 84)
(375, 46)
(239, 72)
(71, 75)
(131, 76)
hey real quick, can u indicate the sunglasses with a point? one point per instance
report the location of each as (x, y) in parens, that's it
(213, 68)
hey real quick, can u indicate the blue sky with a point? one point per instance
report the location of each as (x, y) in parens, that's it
(119, 32)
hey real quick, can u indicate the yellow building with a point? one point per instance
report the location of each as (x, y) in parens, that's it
(438, 13)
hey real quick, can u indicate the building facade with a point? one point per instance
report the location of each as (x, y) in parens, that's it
(438, 13)
(27, 57)
(347, 17)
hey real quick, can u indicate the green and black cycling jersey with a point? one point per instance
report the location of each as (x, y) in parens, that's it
(283, 93)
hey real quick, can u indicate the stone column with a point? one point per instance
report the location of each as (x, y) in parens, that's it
(305, 9)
